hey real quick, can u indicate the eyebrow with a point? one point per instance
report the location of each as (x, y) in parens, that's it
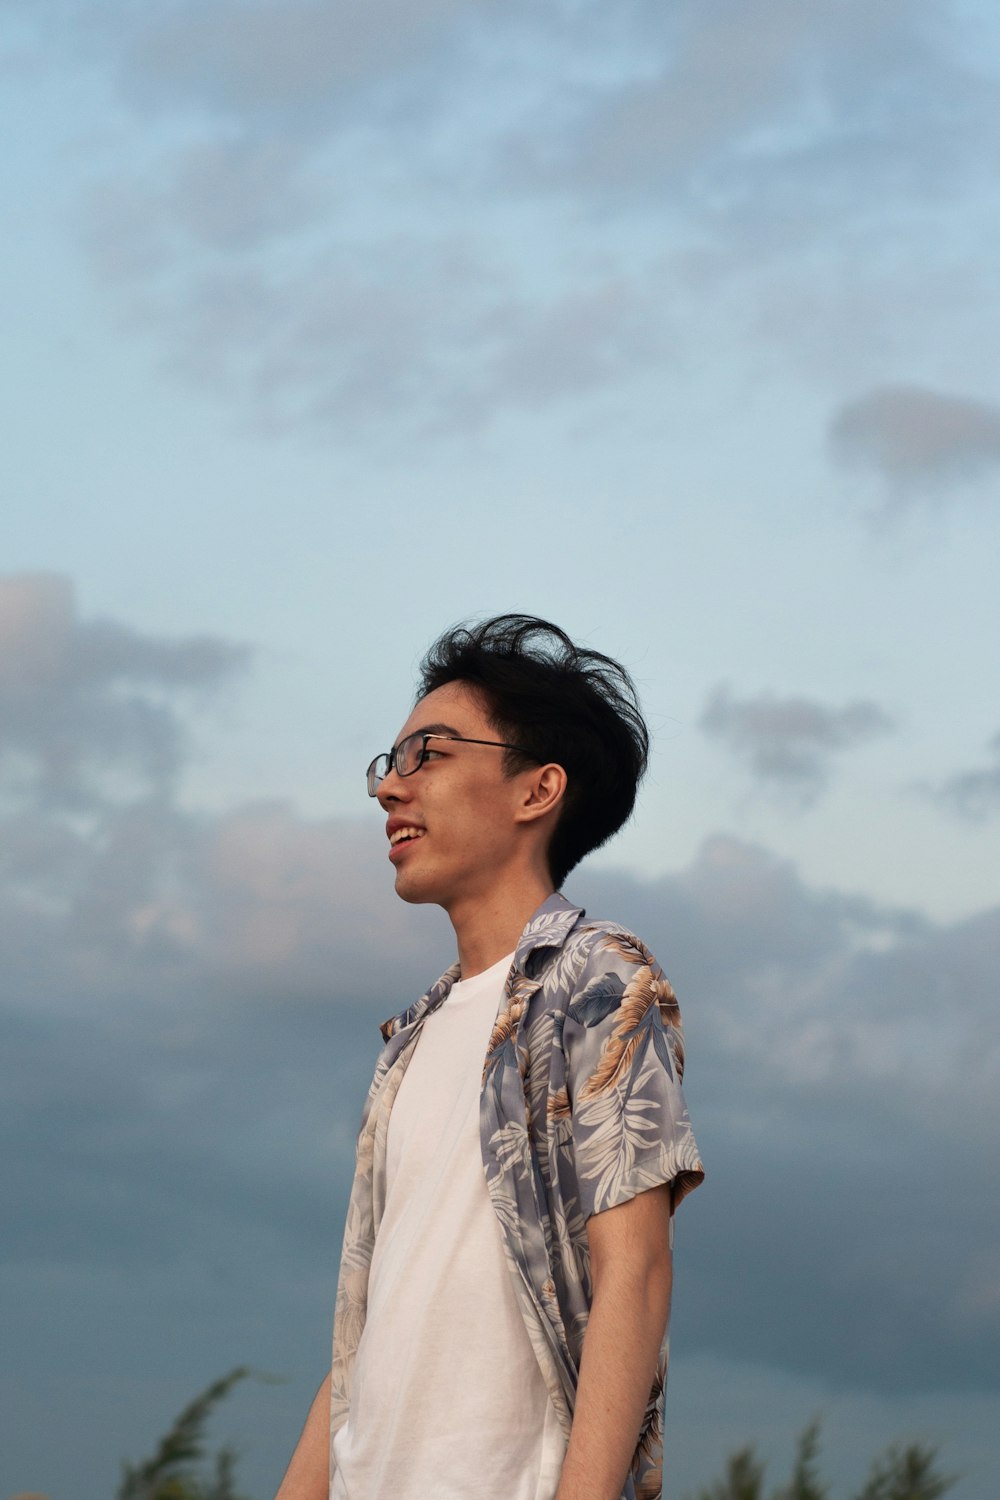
(430, 729)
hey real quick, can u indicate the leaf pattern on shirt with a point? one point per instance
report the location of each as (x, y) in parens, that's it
(622, 1150)
(558, 1105)
(628, 947)
(627, 1033)
(539, 1037)
(512, 1153)
(517, 993)
(569, 1234)
(563, 967)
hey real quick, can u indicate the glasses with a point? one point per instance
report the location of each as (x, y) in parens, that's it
(410, 754)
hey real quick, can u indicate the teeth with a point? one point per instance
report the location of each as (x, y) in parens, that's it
(406, 833)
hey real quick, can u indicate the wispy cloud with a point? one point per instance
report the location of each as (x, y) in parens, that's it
(434, 333)
(86, 704)
(975, 793)
(224, 226)
(788, 743)
(288, 63)
(918, 441)
(722, 115)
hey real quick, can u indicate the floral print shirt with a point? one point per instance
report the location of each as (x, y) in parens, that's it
(580, 1109)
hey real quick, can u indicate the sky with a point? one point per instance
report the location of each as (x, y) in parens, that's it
(328, 326)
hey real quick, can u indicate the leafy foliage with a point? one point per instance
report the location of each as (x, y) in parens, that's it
(744, 1479)
(899, 1473)
(805, 1483)
(906, 1474)
(172, 1473)
(176, 1470)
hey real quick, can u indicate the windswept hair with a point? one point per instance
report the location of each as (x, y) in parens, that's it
(561, 702)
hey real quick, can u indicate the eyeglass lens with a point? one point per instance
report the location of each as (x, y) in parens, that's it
(408, 756)
(378, 769)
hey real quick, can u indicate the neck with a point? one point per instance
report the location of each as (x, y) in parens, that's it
(489, 928)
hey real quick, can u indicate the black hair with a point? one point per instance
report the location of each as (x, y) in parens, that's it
(560, 702)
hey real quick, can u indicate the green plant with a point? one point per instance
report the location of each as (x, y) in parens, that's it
(175, 1470)
(898, 1473)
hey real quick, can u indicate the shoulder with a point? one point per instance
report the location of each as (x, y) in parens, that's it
(599, 963)
(602, 946)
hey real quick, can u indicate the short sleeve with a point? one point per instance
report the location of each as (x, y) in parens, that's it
(624, 1062)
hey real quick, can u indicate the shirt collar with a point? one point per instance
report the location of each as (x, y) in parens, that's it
(548, 927)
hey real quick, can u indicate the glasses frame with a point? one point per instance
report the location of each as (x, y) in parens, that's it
(375, 780)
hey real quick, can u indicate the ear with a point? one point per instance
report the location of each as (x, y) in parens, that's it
(542, 791)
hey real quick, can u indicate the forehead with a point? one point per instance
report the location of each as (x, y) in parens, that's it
(455, 708)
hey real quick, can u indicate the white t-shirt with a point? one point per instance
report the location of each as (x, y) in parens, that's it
(447, 1399)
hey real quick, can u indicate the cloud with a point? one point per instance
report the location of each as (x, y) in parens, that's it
(190, 1007)
(267, 222)
(292, 60)
(918, 440)
(587, 338)
(843, 1083)
(86, 703)
(436, 333)
(281, 907)
(973, 794)
(788, 742)
(229, 194)
(707, 107)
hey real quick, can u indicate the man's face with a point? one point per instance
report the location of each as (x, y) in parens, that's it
(459, 806)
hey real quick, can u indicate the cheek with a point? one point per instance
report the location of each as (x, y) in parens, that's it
(490, 822)
(476, 824)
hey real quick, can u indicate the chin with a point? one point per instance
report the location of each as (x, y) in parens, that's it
(413, 892)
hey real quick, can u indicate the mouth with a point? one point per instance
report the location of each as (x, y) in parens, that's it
(403, 839)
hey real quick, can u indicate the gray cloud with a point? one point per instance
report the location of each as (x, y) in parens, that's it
(918, 440)
(276, 61)
(690, 86)
(84, 702)
(187, 1076)
(305, 303)
(190, 1005)
(788, 742)
(831, 1046)
(435, 332)
(975, 793)
(584, 339)
(236, 193)
(705, 105)
(219, 199)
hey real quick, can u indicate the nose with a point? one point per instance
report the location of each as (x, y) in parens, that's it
(392, 788)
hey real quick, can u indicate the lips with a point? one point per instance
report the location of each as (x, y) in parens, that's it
(402, 835)
(400, 850)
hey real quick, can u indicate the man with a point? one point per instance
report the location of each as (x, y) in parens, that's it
(500, 1331)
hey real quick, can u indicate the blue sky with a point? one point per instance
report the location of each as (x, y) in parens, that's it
(327, 326)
